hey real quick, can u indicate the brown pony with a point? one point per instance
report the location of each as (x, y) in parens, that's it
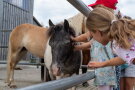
(23, 38)
(53, 44)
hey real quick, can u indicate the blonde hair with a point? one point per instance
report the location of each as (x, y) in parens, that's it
(102, 6)
(121, 30)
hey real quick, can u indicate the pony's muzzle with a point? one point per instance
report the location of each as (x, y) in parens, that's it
(55, 70)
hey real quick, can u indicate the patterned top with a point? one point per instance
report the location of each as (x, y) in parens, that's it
(106, 75)
(126, 54)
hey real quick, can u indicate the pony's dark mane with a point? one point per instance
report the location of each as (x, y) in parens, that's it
(58, 27)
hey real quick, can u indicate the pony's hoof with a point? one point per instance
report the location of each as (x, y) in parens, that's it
(6, 81)
(13, 86)
(85, 84)
(18, 68)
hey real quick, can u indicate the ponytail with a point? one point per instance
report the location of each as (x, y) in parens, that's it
(122, 31)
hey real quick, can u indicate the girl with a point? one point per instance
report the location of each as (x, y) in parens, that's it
(105, 77)
(104, 28)
(111, 6)
(104, 52)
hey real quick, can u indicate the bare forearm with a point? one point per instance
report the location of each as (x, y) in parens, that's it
(113, 62)
(82, 38)
(84, 46)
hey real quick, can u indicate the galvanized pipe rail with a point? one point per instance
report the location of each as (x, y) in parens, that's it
(41, 64)
(62, 84)
(78, 4)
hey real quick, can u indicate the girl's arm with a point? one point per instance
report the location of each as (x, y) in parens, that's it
(83, 46)
(82, 37)
(112, 62)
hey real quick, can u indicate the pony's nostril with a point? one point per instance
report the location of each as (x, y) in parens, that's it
(56, 70)
(59, 69)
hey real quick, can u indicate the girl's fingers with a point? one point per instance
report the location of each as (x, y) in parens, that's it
(95, 64)
(91, 64)
(72, 38)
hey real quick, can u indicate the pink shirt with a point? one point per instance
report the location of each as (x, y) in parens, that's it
(128, 55)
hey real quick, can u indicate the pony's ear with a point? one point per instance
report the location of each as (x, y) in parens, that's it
(66, 25)
(51, 23)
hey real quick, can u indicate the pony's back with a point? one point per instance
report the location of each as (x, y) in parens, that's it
(26, 36)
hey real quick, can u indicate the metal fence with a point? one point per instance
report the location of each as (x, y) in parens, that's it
(4, 34)
(12, 14)
(62, 84)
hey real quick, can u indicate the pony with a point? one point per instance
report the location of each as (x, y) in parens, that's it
(54, 44)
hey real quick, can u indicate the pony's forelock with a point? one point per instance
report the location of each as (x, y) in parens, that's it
(59, 27)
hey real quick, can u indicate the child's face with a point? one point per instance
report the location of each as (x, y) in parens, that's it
(100, 37)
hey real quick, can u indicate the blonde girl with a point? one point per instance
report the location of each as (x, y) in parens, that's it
(105, 78)
(104, 28)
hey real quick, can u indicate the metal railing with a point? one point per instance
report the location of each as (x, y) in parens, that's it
(23, 63)
(78, 4)
(62, 84)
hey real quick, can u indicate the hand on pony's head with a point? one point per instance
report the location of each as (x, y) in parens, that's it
(72, 38)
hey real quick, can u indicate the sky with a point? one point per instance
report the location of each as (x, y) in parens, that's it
(58, 10)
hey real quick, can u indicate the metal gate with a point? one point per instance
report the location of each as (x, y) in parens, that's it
(12, 14)
(4, 37)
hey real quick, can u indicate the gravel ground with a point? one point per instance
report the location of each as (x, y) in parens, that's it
(29, 75)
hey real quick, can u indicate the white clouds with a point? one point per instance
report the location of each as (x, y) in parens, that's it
(58, 10)
(127, 7)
